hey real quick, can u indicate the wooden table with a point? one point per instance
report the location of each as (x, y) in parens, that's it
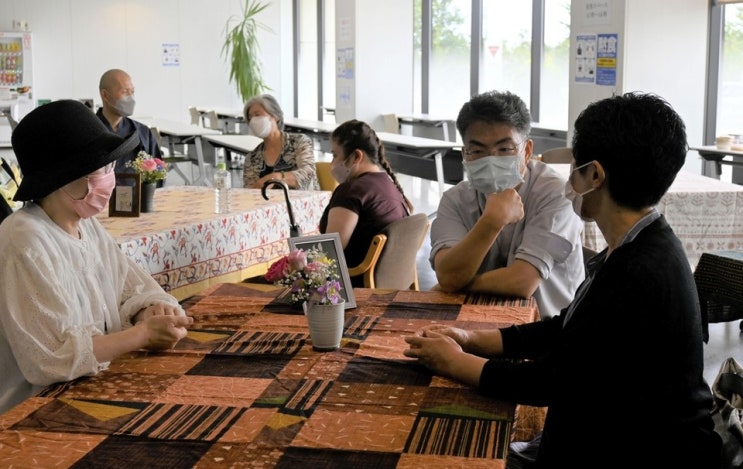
(246, 388)
(187, 247)
(178, 132)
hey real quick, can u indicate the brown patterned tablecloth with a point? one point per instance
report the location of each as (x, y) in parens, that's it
(245, 388)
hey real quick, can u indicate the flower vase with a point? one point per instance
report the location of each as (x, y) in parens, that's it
(147, 198)
(326, 325)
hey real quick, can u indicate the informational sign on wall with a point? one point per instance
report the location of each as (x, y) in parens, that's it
(606, 59)
(596, 59)
(597, 12)
(344, 63)
(171, 55)
(585, 58)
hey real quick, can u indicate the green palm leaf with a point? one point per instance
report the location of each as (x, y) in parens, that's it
(241, 49)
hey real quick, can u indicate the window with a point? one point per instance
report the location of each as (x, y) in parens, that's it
(449, 85)
(505, 59)
(730, 98)
(306, 66)
(555, 75)
(467, 47)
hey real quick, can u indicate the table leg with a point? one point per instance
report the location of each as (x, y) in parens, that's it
(438, 160)
(201, 179)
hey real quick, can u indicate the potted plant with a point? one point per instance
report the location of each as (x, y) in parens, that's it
(151, 170)
(312, 278)
(241, 50)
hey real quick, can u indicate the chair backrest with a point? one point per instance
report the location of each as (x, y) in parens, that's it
(391, 123)
(195, 115)
(211, 117)
(326, 180)
(561, 155)
(158, 136)
(390, 262)
(13, 123)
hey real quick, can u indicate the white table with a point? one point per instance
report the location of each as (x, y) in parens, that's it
(318, 131)
(705, 213)
(714, 158)
(419, 147)
(234, 143)
(229, 116)
(427, 120)
(178, 132)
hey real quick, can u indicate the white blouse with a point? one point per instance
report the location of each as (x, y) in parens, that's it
(59, 291)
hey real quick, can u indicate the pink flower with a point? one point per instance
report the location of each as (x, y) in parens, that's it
(297, 259)
(148, 165)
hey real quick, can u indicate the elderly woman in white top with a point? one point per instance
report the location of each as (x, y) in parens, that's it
(284, 156)
(71, 300)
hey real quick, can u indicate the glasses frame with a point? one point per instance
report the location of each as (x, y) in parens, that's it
(501, 149)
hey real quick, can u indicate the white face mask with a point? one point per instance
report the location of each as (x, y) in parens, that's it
(575, 198)
(494, 173)
(125, 105)
(260, 126)
(340, 172)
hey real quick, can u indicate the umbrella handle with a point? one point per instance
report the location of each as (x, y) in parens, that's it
(294, 230)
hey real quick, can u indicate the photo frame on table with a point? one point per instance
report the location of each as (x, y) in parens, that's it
(125, 199)
(330, 244)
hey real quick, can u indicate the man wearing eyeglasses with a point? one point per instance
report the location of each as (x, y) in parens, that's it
(508, 228)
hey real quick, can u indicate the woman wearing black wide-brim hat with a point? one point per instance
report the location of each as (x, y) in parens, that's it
(71, 301)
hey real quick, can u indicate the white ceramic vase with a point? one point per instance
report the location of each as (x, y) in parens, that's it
(326, 325)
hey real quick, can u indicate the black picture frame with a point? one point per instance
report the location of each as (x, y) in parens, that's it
(330, 243)
(126, 196)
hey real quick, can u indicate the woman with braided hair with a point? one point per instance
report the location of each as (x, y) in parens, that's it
(368, 197)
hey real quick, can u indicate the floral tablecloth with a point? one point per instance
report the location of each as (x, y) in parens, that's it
(705, 213)
(187, 247)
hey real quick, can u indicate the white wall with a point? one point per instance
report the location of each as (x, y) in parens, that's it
(75, 41)
(662, 49)
(383, 59)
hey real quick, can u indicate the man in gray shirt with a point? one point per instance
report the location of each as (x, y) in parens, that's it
(508, 228)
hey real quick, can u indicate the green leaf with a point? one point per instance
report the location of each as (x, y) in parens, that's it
(240, 50)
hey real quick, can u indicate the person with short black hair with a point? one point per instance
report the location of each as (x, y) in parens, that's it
(621, 367)
(506, 229)
(71, 301)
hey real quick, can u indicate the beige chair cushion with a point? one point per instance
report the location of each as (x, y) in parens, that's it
(396, 265)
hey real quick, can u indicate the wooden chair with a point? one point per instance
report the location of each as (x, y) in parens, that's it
(390, 261)
(172, 157)
(326, 180)
(561, 155)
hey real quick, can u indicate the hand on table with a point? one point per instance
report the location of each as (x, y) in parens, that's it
(164, 331)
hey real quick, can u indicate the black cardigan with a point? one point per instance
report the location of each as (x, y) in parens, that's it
(625, 376)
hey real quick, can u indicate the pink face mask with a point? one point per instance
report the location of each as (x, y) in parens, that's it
(100, 188)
